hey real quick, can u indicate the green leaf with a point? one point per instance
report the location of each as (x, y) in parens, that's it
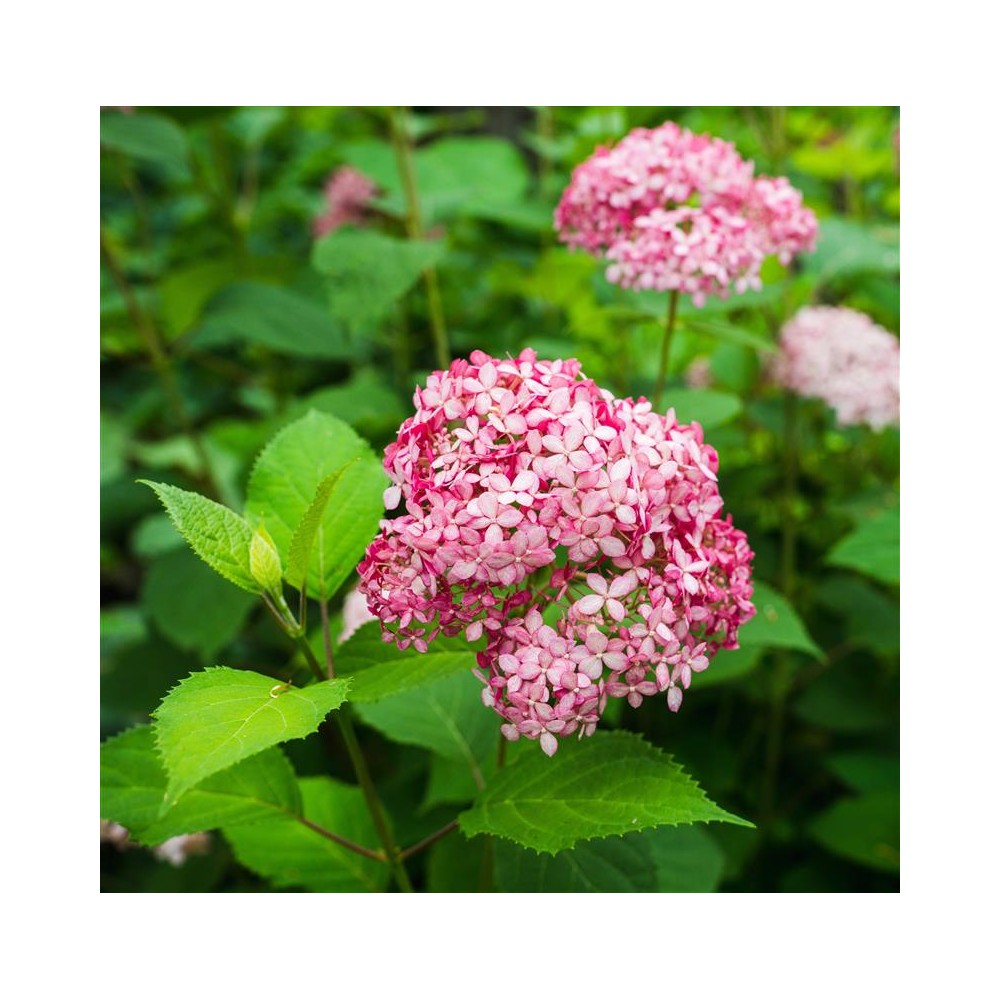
(277, 318)
(145, 137)
(866, 771)
(678, 859)
(290, 854)
(154, 536)
(113, 440)
(872, 617)
(192, 606)
(220, 716)
(865, 830)
(284, 485)
(611, 783)
(708, 406)
(450, 782)
(729, 333)
(456, 864)
(365, 401)
(846, 248)
(478, 176)
(728, 665)
(872, 548)
(218, 535)
(776, 625)
(185, 291)
(367, 272)
(378, 669)
(300, 547)
(133, 785)
(447, 717)
(463, 175)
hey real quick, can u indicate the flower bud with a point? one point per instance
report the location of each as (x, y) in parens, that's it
(265, 563)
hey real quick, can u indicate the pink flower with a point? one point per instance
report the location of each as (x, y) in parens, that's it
(528, 488)
(844, 358)
(675, 211)
(348, 193)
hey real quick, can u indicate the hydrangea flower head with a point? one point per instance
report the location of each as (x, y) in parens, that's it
(675, 211)
(348, 193)
(581, 534)
(846, 359)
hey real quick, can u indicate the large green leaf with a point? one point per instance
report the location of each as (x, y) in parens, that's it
(220, 716)
(301, 546)
(468, 174)
(277, 318)
(872, 548)
(285, 483)
(289, 854)
(776, 625)
(665, 859)
(378, 669)
(218, 535)
(192, 606)
(845, 247)
(480, 176)
(708, 406)
(611, 783)
(447, 717)
(134, 783)
(864, 829)
(145, 137)
(367, 272)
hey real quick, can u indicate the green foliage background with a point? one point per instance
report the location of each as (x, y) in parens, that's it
(223, 321)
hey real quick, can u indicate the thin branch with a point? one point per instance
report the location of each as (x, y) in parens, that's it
(324, 614)
(342, 841)
(427, 841)
(160, 358)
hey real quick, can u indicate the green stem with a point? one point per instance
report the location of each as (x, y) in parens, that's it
(392, 852)
(414, 229)
(342, 841)
(346, 726)
(668, 333)
(161, 362)
(427, 841)
(324, 614)
(781, 677)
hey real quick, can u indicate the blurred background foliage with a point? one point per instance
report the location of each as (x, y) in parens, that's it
(223, 318)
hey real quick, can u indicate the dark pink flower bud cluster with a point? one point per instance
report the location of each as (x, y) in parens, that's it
(581, 534)
(846, 359)
(348, 193)
(675, 211)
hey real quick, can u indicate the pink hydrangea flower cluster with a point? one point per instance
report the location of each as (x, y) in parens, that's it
(348, 193)
(581, 534)
(846, 359)
(675, 211)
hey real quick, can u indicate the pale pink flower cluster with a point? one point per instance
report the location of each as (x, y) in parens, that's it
(675, 211)
(355, 614)
(846, 359)
(348, 193)
(582, 534)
